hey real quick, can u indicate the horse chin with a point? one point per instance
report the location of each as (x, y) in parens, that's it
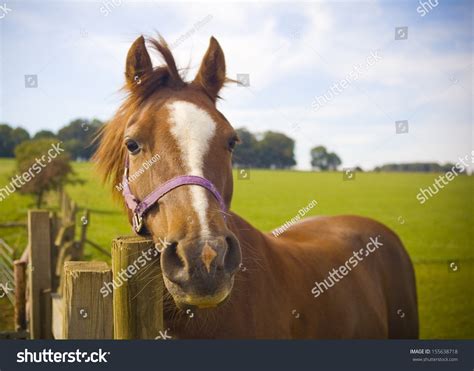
(186, 301)
(200, 302)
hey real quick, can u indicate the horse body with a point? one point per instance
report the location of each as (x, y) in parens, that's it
(272, 295)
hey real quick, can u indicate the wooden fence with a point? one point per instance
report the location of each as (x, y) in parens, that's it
(38, 273)
(57, 295)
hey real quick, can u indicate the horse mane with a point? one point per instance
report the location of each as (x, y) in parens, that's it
(111, 155)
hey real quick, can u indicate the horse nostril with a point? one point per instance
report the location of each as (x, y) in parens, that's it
(172, 263)
(233, 256)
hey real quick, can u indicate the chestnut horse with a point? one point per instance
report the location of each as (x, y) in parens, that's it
(324, 277)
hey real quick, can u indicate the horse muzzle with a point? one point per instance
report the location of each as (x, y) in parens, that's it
(201, 272)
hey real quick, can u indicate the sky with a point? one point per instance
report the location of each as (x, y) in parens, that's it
(326, 73)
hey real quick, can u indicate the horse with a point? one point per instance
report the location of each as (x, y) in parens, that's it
(224, 278)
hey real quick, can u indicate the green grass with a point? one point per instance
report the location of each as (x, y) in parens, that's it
(435, 233)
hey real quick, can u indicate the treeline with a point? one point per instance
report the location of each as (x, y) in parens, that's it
(424, 167)
(269, 150)
(77, 138)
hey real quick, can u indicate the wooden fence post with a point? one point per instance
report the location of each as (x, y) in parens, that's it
(138, 289)
(85, 220)
(39, 234)
(55, 226)
(19, 270)
(86, 312)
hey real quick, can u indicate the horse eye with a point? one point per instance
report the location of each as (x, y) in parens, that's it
(232, 143)
(132, 146)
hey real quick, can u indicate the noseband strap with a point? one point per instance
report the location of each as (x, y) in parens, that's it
(140, 208)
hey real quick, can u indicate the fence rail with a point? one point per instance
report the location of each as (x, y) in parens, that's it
(12, 224)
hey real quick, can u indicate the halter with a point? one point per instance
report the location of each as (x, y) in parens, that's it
(140, 208)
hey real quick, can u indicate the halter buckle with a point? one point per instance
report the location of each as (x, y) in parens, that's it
(137, 223)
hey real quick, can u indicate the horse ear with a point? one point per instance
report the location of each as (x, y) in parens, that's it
(138, 62)
(211, 75)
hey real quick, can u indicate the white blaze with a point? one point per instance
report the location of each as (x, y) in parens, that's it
(193, 129)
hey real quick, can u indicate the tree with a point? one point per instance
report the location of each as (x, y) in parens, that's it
(271, 149)
(10, 138)
(44, 134)
(333, 161)
(245, 153)
(276, 150)
(321, 159)
(78, 137)
(19, 135)
(39, 171)
(6, 141)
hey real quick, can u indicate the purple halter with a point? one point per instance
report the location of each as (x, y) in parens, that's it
(139, 208)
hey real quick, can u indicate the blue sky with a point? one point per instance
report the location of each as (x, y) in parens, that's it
(292, 53)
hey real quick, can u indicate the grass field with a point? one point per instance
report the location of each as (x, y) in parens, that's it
(435, 233)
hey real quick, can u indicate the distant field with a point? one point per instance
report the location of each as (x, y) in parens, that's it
(436, 233)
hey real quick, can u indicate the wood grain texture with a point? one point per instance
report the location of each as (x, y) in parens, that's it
(87, 313)
(138, 289)
(39, 232)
